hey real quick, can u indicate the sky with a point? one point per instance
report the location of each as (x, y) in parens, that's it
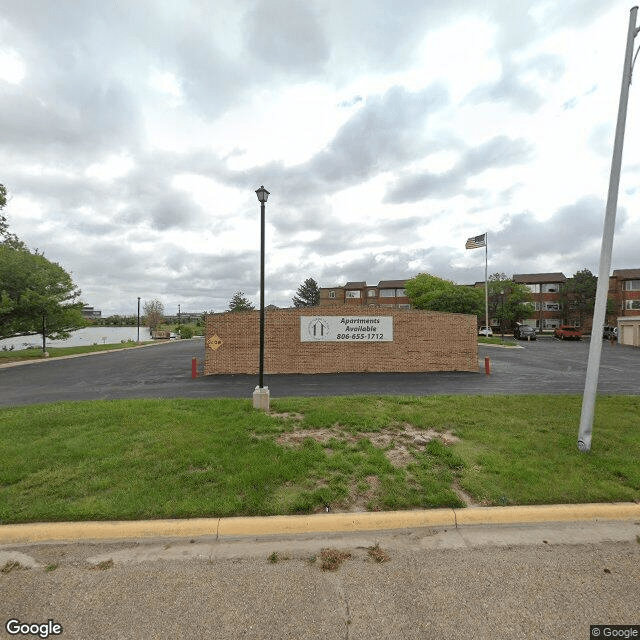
(134, 136)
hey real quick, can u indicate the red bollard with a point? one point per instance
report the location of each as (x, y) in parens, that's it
(194, 368)
(487, 366)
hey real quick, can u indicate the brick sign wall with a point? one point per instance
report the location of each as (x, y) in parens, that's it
(332, 340)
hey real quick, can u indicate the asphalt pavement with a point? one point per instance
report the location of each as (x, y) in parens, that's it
(460, 577)
(545, 366)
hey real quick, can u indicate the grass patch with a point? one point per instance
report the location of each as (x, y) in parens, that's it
(179, 458)
(18, 355)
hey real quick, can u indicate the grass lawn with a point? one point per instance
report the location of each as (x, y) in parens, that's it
(134, 459)
(55, 352)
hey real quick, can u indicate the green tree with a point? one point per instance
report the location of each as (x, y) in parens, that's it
(509, 301)
(307, 295)
(240, 303)
(36, 296)
(430, 292)
(6, 238)
(578, 297)
(154, 313)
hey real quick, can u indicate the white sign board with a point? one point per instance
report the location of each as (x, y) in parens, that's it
(346, 329)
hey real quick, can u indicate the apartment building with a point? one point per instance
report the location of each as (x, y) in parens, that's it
(545, 291)
(387, 293)
(624, 290)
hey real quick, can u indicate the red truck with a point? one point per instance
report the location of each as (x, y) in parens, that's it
(566, 332)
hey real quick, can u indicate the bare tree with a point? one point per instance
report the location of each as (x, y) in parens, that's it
(154, 313)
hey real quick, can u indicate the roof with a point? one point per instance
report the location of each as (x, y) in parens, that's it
(355, 285)
(538, 278)
(392, 284)
(627, 274)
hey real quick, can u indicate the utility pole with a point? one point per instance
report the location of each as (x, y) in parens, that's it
(599, 311)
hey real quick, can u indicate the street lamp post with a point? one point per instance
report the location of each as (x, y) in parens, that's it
(261, 393)
(138, 318)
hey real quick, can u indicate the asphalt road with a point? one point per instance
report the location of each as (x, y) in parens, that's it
(495, 582)
(164, 371)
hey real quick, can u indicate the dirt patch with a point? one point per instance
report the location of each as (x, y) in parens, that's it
(397, 442)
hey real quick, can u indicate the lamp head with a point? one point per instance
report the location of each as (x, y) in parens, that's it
(262, 194)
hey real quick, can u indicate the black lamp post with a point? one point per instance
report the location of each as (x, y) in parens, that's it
(262, 194)
(138, 318)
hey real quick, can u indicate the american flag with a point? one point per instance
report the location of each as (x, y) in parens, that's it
(476, 242)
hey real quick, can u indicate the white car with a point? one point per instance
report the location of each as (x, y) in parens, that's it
(485, 331)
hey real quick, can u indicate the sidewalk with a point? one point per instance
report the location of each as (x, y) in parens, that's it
(225, 579)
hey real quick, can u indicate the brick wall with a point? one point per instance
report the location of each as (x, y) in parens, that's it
(422, 341)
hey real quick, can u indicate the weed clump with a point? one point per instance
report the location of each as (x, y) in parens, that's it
(332, 559)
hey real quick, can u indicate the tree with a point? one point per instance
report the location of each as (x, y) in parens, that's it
(36, 296)
(509, 301)
(578, 298)
(240, 303)
(6, 238)
(154, 313)
(307, 295)
(429, 292)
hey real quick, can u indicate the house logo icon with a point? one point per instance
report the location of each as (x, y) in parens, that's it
(318, 329)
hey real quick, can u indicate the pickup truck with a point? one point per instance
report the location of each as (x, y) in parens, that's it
(566, 332)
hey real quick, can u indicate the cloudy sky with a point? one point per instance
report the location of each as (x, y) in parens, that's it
(135, 133)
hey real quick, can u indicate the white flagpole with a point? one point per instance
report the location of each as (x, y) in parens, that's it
(486, 280)
(599, 311)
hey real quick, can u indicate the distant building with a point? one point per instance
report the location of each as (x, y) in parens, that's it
(187, 317)
(387, 293)
(624, 290)
(545, 290)
(90, 312)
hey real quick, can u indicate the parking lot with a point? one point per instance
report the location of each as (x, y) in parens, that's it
(544, 366)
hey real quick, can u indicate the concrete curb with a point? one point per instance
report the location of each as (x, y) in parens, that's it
(224, 528)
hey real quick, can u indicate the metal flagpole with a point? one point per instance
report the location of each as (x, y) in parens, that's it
(486, 280)
(599, 311)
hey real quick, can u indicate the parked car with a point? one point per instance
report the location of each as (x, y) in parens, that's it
(524, 332)
(566, 332)
(485, 331)
(610, 333)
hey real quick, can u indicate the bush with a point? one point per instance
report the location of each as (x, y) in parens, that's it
(186, 332)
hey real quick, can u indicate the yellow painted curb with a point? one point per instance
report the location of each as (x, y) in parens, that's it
(320, 523)
(548, 513)
(336, 522)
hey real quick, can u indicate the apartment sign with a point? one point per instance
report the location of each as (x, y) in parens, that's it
(343, 329)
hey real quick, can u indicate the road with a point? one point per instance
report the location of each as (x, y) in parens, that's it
(164, 371)
(484, 582)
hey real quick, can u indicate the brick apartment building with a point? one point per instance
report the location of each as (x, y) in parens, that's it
(387, 293)
(545, 292)
(624, 290)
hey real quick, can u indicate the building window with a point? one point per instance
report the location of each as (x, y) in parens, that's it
(632, 285)
(387, 293)
(371, 293)
(534, 288)
(632, 304)
(551, 287)
(552, 306)
(332, 294)
(403, 292)
(353, 294)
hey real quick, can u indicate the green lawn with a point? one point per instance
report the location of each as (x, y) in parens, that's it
(55, 352)
(133, 459)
